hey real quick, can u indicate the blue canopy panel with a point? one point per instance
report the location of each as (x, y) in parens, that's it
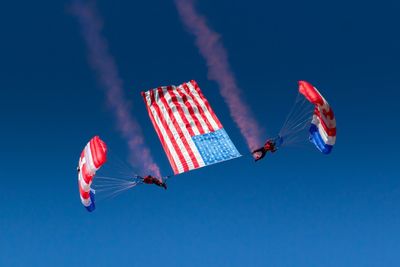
(317, 139)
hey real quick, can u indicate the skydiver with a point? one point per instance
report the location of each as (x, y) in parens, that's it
(260, 153)
(153, 180)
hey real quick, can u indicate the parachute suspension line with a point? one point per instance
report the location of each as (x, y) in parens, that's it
(300, 110)
(112, 188)
(116, 191)
(297, 114)
(110, 192)
(114, 178)
(111, 179)
(293, 138)
(297, 124)
(116, 166)
(102, 183)
(110, 185)
(291, 112)
(298, 119)
(119, 165)
(296, 133)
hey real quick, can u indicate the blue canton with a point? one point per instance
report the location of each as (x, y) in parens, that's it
(215, 147)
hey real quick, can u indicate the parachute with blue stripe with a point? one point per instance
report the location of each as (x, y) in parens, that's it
(104, 175)
(312, 111)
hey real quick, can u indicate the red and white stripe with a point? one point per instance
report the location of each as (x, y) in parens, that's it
(177, 114)
(325, 134)
(93, 156)
(325, 120)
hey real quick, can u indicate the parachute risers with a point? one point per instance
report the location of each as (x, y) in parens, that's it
(93, 156)
(323, 123)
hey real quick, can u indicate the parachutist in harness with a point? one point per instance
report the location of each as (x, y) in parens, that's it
(153, 180)
(270, 145)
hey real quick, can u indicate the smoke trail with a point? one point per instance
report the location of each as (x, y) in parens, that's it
(214, 53)
(105, 67)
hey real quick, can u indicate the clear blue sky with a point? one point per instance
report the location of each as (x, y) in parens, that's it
(297, 208)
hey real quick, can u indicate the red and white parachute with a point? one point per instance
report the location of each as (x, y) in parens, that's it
(93, 156)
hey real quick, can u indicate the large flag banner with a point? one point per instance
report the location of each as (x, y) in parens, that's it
(189, 131)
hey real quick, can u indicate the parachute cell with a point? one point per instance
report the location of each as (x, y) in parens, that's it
(93, 156)
(323, 123)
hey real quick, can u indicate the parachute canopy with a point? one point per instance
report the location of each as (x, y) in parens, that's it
(189, 131)
(93, 156)
(323, 123)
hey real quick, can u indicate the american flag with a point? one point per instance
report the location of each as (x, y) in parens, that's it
(189, 131)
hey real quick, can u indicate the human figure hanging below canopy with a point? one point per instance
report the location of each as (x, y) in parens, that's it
(271, 145)
(149, 179)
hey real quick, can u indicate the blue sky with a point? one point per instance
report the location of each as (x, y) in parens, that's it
(295, 208)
